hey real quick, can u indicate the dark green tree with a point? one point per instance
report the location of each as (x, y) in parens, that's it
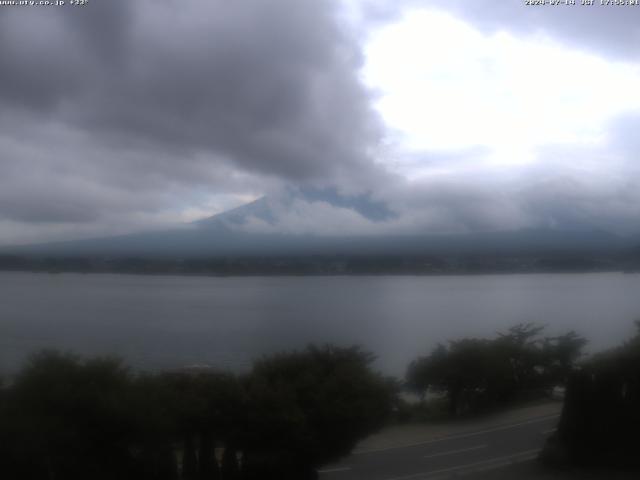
(601, 415)
(476, 374)
(463, 371)
(191, 413)
(69, 419)
(311, 407)
(560, 355)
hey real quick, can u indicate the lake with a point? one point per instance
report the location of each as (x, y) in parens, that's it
(169, 321)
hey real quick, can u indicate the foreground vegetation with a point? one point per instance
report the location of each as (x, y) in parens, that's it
(67, 418)
(476, 375)
(601, 415)
(63, 417)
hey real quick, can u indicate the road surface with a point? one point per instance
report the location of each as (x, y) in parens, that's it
(453, 455)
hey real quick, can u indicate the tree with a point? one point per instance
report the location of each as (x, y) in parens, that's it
(311, 407)
(65, 417)
(191, 413)
(600, 417)
(481, 373)
(560, 354)
(464, 371)
(68, 419)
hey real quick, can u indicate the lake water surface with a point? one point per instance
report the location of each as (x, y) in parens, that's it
(166, 321)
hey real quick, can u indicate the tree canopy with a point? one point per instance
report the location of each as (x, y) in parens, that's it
(600, 419)
(69, 418)
(480, 373)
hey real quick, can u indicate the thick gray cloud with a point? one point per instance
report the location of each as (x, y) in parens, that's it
(121, 102)
(125, 115)
(269, 85)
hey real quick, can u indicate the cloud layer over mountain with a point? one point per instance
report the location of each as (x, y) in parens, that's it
(123, 116)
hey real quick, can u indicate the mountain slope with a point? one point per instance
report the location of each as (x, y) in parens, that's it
(224, 235)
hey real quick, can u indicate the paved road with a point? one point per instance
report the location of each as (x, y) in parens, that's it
(455, 455)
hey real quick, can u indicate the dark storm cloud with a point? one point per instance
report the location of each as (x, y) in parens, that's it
(123, 96)
(123, 114)
(270, 86)
(568, 186)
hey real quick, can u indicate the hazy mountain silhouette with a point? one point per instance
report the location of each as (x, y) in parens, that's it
(224, 235)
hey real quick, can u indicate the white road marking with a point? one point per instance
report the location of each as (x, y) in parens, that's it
(452, 452)
(335, 470)
(461, 435)
(547, 432)
(482, 465)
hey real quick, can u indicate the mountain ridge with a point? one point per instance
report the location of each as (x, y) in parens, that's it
(223, 235)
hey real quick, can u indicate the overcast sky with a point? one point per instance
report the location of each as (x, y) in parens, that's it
(453, 115)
